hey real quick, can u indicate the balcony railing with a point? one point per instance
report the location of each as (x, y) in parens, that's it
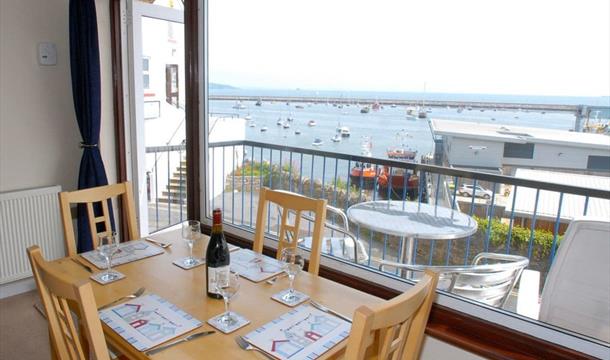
(238, 169)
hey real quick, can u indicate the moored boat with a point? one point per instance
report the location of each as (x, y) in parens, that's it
(363, 175)
(311, 123)
(400, 153)
(317, 142)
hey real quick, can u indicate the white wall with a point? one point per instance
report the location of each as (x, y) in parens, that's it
(560, 157)
(39, 137)
(460, 154)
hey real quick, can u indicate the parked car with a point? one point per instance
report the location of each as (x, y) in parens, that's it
(481, 192)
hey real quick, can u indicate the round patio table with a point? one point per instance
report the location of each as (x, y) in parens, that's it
(411, 220)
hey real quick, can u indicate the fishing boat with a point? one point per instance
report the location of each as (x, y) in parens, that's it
(317, 142)
(363, 175)
(263, 129)
(336, 138)
(311, 123)
(365, 110)
(400, 153)
(402, 183)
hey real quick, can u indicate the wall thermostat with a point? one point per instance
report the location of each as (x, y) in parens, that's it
(47, 54)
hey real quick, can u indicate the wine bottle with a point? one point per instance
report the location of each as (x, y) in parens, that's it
(217, 256)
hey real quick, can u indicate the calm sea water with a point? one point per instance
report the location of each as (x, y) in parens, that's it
(386, 127)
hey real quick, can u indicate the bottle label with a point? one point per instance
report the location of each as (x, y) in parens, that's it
(219, 274)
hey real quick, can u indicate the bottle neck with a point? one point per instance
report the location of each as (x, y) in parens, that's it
(217, 228)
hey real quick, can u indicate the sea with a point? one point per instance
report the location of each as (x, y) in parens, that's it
(386, 127)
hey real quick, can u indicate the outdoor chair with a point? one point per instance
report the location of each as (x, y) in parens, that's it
(489, 279)
(341, 243)
(576, 295)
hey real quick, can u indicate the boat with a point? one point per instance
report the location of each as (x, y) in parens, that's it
(299, 106)
(421, 113)
(252, 124)
(317, 142)
(311, 123)
(365, 110)
(259, 103)
(336, 138)
(363, 175)
(411, 110)
(376, 106)
(263, 129)
(343, 130)
(297, 132)
(402, 182)
(286, 125)
(290, 119)
(248, 117)
(400, 153)
(393, 105)
(239, 106)
(279, 122)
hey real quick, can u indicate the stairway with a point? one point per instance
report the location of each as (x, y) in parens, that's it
(175, 191)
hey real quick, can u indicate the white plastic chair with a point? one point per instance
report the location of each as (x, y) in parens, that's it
(576, 295)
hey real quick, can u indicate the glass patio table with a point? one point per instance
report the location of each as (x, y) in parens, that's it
(411, 220)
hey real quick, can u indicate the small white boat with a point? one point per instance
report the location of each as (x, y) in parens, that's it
(279, 122)
(263, 129)
(336, 138)
(311, 123)
(286, 125)
(344, 131)
(248, 117)
(317, 142)
(239, 106)
(252, 124)
(290, 119)
(297, 132)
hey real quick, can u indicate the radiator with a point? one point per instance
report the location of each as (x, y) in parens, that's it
(28, 217)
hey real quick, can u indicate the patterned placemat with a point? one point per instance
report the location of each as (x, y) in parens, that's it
(128, 252)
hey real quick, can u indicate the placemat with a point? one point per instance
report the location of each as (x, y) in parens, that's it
(254, 266)
(148, 321)
(303, 333)
(128, 251)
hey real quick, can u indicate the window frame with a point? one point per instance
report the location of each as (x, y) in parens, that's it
(457, 321)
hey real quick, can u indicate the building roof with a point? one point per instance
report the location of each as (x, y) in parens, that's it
(548, 201)
(518, 134)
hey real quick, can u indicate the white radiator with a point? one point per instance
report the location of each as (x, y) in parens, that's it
(28, 217)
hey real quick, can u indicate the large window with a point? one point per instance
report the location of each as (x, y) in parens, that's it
(303, 98)
(596, 162)
(519, 151)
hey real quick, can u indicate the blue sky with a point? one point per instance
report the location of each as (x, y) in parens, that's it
(539, 47)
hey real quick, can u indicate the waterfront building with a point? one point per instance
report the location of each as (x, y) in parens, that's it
(496, 146)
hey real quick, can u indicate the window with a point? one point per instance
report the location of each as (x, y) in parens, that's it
(520, 151)
(595, 162)
(279, 123)
(146, 72)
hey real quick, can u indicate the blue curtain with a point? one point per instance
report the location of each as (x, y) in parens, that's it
(85, 69)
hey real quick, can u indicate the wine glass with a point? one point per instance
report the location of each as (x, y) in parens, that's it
(293, 264)
(191, 231)
(227, 285)
(107, 246)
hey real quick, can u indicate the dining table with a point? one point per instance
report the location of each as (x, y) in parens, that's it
(410, 220)
(185, 289)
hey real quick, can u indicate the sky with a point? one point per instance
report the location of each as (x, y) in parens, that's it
(526, 47)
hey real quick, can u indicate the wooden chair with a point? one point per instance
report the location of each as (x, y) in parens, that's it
(395, 327)
(56, 294)
(291, 203)
(89, 197)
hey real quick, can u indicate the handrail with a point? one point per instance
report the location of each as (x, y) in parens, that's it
(479, 176)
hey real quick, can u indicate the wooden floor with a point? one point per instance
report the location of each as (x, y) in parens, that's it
(23, 331)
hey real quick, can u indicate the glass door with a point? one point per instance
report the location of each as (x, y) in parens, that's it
(157, 125)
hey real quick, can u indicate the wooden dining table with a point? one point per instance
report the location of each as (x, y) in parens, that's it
(185, 288)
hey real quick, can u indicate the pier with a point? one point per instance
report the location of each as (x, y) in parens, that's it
(575, 109)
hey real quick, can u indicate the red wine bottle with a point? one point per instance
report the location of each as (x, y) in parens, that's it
(217, 256)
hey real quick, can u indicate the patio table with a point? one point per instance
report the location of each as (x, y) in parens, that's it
(411, 220)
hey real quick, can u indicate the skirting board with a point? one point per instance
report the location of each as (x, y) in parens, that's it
(17, 287)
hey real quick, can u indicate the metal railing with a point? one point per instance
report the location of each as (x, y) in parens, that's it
(166, 186)
(239, 168)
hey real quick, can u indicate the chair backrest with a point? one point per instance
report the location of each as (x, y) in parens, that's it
(91, 197)
(489, 283)
(291, 203)
(397, 324)
(576, 295)
(56, 292)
